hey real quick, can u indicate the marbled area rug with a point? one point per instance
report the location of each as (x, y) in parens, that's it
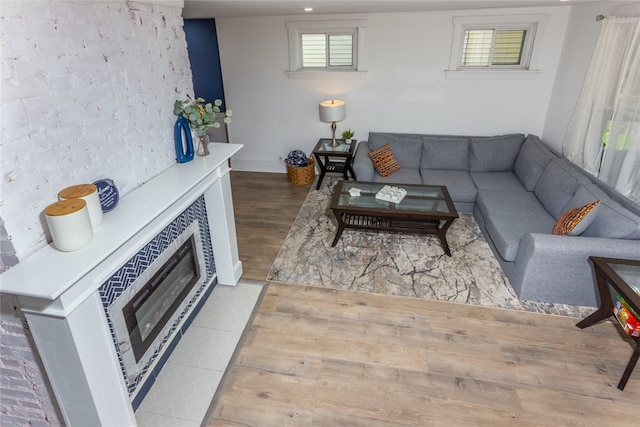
(398, 264)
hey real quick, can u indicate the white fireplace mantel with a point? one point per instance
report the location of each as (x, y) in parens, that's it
(58, 291)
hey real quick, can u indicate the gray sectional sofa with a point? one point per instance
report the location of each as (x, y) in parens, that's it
(517, 188)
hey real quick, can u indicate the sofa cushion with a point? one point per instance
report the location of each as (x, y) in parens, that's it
(615, 222)
(406, 149)
(497, 181)
(532, 159)
(494, 154)
(403, 176)
(574, 221)
(505, 231)
(585, 193)
(445, 153)
(555, 187)
(383, 161)
(515, 203)
(458, 183)
(612, 220)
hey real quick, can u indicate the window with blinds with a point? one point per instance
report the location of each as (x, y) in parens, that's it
(327, 49)
(322, 50)
(495, 43)
(484, 48)
(494, 47)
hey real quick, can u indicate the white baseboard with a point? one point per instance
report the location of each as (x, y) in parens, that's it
(247, 165)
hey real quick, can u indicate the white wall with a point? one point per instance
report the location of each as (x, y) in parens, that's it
(582, 34)
(405, 90)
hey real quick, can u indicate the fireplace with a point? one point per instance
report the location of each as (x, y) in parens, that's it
(105, 318)
(147, 298)
(154, 305)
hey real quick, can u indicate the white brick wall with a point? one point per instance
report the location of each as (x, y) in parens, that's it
(87, 91)
(25, 397)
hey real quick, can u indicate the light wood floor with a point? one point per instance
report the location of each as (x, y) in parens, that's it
(265, 205)
(319, 357)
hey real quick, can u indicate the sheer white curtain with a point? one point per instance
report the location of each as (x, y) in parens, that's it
(603, 136)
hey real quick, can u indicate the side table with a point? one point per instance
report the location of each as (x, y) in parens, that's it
(334, 159)
(623, 275)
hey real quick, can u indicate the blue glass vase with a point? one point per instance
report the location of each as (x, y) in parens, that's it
(184, 143)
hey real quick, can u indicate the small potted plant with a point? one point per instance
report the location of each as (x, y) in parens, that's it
(348, 135)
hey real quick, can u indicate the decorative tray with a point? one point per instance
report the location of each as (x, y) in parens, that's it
(391, 194)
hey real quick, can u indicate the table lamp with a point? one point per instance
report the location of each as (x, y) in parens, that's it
(332, 111)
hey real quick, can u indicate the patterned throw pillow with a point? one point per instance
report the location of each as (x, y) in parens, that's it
(383, 161)
(574, 221)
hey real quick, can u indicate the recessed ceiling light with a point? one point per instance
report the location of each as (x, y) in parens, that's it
(308, 9)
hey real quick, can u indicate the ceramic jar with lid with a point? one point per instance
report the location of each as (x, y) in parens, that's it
(69, 224)
(88, 193)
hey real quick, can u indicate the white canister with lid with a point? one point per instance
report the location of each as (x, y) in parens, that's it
(88, 193)
(69, 224)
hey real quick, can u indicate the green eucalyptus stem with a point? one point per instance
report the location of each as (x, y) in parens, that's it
(200, 114)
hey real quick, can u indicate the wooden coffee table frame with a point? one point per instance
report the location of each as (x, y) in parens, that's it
(388, 219)
(606, 277)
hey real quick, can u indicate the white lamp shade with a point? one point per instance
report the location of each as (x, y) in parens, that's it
(333, 110)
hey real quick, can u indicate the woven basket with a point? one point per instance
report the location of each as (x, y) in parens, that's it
(301, 175)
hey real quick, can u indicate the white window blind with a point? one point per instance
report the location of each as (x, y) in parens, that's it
(508, 47)
(341, 50)
(314, 50)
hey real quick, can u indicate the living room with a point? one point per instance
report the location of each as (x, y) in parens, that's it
(101, 80)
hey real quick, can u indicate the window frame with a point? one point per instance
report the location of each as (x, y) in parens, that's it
(534, 26)
(295, 29)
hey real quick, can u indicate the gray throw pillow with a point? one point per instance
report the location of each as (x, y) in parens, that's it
(495, 154)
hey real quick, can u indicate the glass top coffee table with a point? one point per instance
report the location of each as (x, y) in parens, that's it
(426, 209)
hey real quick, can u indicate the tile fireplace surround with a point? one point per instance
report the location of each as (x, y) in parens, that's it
(67, 304)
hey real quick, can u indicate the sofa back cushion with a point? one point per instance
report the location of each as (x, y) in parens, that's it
(555, 187)
(611, 220)
(614, 221)
(494, 154)
(407, 149)
(445, 153)
(531, 161)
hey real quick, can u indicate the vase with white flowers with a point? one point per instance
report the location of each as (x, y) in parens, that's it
(201, 115)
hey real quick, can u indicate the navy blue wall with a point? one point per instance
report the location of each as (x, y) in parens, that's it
(202, 45)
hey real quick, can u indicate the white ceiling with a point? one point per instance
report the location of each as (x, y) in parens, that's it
(222, 8)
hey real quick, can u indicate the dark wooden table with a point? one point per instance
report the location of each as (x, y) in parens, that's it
(334, 159)
(618, 274)
(426, 209)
